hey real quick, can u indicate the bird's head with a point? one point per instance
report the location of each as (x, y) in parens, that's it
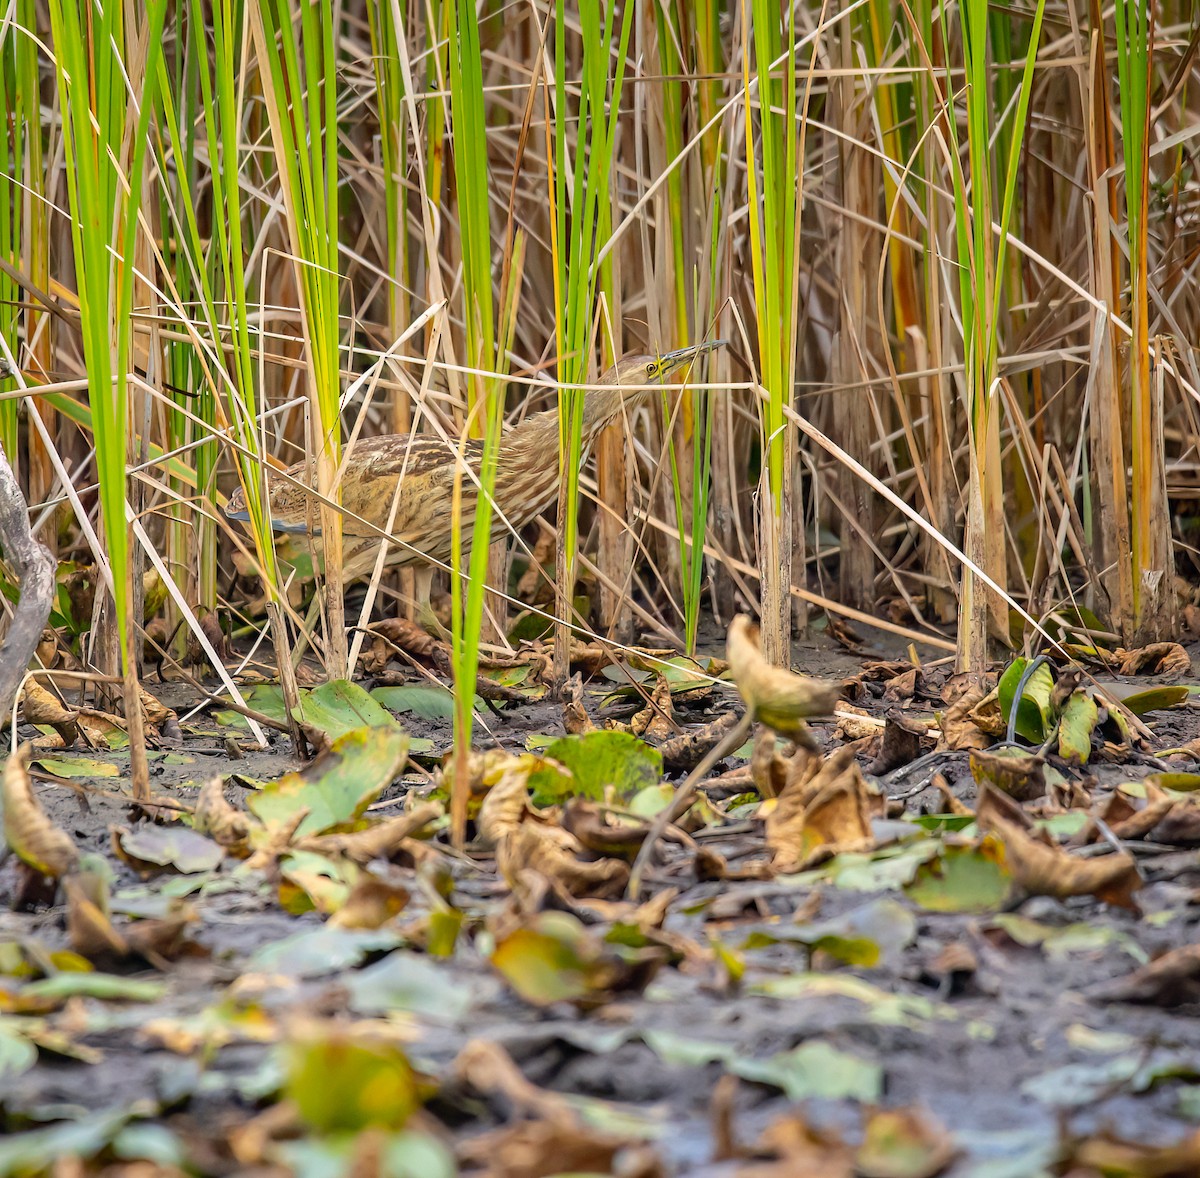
(638, 369)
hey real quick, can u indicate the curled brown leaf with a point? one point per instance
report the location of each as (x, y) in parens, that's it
(775, 697)
(27, 827)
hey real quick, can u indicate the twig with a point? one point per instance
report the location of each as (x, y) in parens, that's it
(684, 795)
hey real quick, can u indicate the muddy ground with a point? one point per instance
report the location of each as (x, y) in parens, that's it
(1015, 1053)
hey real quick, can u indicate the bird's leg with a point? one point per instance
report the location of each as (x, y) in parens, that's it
(426, 618)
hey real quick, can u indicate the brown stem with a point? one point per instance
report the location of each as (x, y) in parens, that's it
(35, 572)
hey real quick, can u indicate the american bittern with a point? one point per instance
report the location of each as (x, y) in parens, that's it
(418, 472)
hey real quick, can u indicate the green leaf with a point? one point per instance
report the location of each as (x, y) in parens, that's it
(1154, 699)
(596, 761)
(421, 700)
(340, 707)
(867, 936)
(1179, 782)
(343, 1082)
(1078, 722)
(105, 986)
(544, 962)
(339, 785)
(408, 1154)
(1035, 716)
(815, 1070)
(17, 1054)
(963, 879)
(64, 766)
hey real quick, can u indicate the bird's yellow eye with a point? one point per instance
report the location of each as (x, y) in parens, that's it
(652, 369)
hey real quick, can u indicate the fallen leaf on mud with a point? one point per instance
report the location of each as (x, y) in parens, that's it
(1110, 1155)
(595, 763)
(316, 952)
(344, 1080)
(872, 934)
(967, 878)
(89, 928)
(506, 803)
(796, 1149)
(774, 696)
(549, 851)
(576, 721)
(1042, 870)
(407, 981)
(904, 1143)
(40, 706)
(1155, 699)
(371, 903)
(70, 767)
(149, 848)
(655, 722)
(338, 707)
(1017, 774)
(1170, 980)
(93, 935)
(338, 785)
(223, 822)
(900, 743)
(596, 832)
(963, 729)
(1062, 940)
(815, 1070)
(382, 840)
(823, 811)
(27, 828)
(682, 753)
(103, 986)
(554, 958)
(525, 1150)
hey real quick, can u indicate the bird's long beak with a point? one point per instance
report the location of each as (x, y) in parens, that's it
(243, 517)
(669, 361)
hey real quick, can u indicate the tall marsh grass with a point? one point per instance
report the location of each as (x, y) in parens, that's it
(939, 243)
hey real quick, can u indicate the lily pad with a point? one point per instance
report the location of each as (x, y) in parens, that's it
(340, 707)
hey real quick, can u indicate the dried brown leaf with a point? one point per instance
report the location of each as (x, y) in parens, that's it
(223, 822)
(41, 706)
(1170, 980)
(775, 697)
(380, 841)
(824, 810)
(1042, 870)
(27, 827)
(1158, 658)
(1019, 775)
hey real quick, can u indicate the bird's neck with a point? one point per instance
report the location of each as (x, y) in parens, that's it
(601, 407)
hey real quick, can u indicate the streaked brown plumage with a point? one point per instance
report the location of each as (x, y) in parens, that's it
(420, 469)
